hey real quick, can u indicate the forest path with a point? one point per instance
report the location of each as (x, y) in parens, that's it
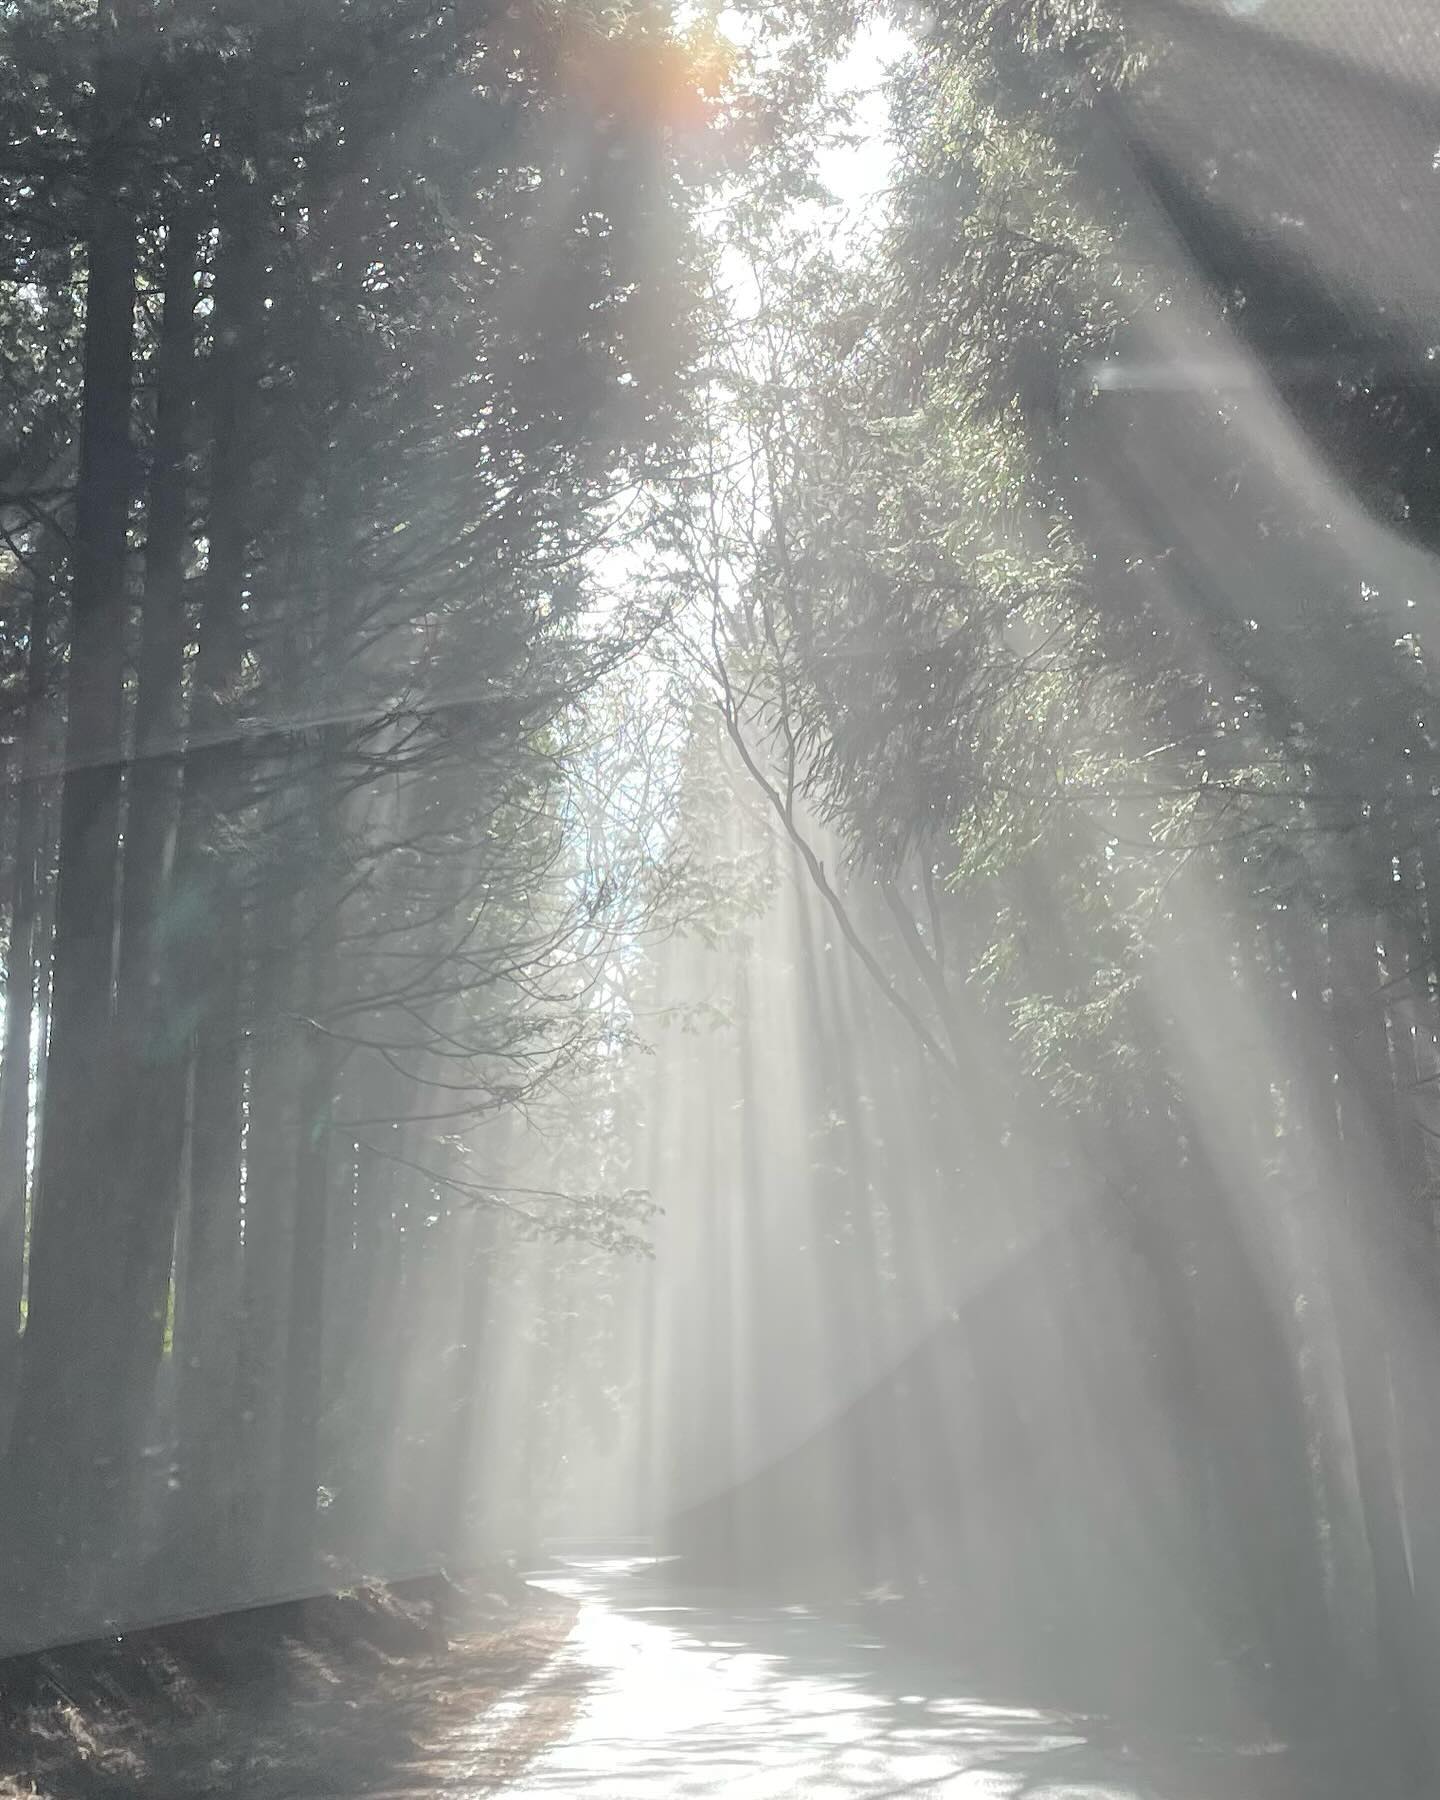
(688, 1693)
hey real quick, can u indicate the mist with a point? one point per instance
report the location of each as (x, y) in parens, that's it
(718, 811)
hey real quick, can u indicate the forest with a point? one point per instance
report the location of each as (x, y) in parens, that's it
(680, 859)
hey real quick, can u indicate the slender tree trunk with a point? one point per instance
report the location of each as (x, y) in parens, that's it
(367, 1331)
(269, 1222)
(305, 1364)
(1411, 1032)
(21, 972)
(1383, 1284)
(207, 1307)
(203, 1014)
(334, 216)
(159, 710)
(44, 967)
(60, 1479)
(455, 1488)
(152, 1043)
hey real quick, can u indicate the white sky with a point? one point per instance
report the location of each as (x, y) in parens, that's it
(858, 174)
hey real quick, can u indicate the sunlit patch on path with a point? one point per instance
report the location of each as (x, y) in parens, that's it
(692, 1695)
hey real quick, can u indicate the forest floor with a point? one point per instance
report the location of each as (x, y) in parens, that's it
(391, 1693)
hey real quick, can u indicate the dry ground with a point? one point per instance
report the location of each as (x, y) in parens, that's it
(383, 1694)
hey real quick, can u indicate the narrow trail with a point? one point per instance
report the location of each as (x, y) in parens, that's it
(689, 1694)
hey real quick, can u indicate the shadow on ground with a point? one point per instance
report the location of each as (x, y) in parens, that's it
(382, 1694)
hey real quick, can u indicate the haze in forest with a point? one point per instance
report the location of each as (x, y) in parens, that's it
(719, 821)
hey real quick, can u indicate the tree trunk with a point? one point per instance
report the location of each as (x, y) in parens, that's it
(44, 962)
(206, 1309)
(269, 1219)
(152, 1044)
(201, 1019)
(461, 1420)
(457, 1473)
(305, 1365)
(21, 972)
(159, 710)
(1382, 1283)
(60, 1480)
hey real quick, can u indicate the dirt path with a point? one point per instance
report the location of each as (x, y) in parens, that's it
(706, 1695)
